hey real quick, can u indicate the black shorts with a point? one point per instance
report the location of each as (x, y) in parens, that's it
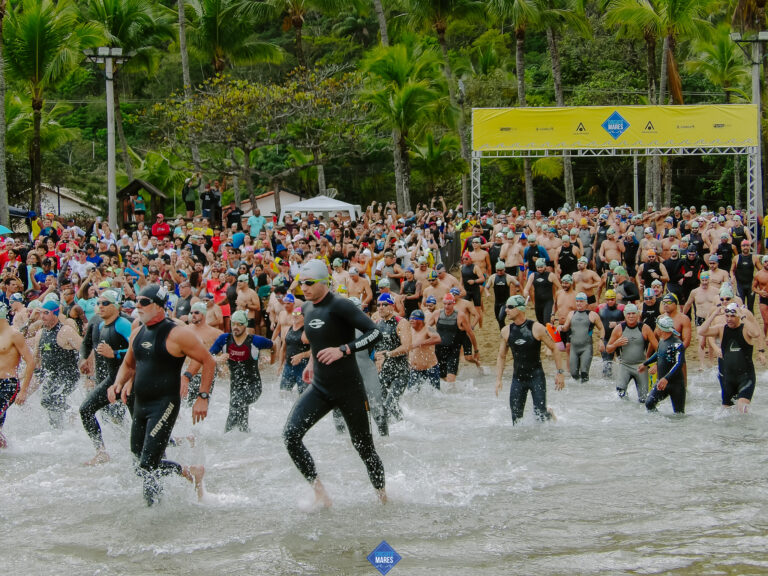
(739, 386)
(251, 322)
(474, 297)
(700, 321)
(139, 211)
(565, 336)
(763, 300)
(591, 299)
(190, 206)
(448, 359)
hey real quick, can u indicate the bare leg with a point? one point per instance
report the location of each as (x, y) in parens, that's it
(3, 441)
(764, 314)
(195, 475)
(101, 457)
(382, 494)
(742, 405)
(321, 496)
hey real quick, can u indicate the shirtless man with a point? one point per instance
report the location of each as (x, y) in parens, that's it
(207, 335)
(359, 288)
(20, 313)
(13, 348)
(565, 302)
(512, 255)
(285, 317)
(340, 276)
(587, 281)
(421, 273)
(760, 287)
(248, 301)
(717, 276)
(705, 298)
(213, 315)
(448, 280)
(480, 257)
(610, 248)
(648, 244)
(435, 288)
(421, 356)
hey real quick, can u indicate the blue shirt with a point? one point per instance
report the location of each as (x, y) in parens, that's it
(237, 239)
(256, 223)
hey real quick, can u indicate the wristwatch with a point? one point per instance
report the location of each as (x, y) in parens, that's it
(561, 371)
(204, 395)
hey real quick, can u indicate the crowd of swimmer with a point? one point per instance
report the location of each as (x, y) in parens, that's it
(72, 298)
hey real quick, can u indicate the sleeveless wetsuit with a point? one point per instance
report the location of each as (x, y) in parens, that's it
(244, 376)
(737, 369)
(500, 295)
(527, 375)
(567, 261)
(542, 290)
(650, 314)
(608, 315)
(292, 374)
(331, 322)
(449, 350)
(631, 355)
(581, 345)
(59, 374)
(745, 273)
(116, 335)
(395, 369)
(473, 290)
(156, 393)
(670, 358)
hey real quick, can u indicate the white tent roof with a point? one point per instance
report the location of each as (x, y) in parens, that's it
(320, 204)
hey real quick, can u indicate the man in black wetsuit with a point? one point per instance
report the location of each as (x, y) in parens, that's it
(330, 323)
(108, 339)
(151, 372)
(670, 359)
(524, 338)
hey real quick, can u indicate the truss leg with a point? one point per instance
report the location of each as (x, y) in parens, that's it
(753, 208)
(475, 202)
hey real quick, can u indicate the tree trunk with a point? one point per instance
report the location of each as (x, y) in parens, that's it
(520, 71)
(121, 135)
(661, 101)
(320, 173)
(34, 154)
(650, 62)
(381, 17)
(648, 180)
(187, 82)
(737, 182)
(248, 177)
(454, 102)
(298, 24)
(235, 179)
(4, 218)
(554, 52)
(668, 183)
(405, 163)
(398, 170)
(275, 184)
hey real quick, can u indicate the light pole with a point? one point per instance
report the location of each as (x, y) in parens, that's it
(108, 56)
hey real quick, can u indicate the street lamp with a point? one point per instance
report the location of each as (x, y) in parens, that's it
(108, 56)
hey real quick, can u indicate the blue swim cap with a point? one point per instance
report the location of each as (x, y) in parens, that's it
(430, 300)
(417, 315)
(53, 306)
(386, 299)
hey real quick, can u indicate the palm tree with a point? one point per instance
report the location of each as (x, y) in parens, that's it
(437, 15)
(21, 125)
(44, 43)
(138, 27)
(437, 160)
(521, 15)
(4, 218)
(406, 96)
(220, 32)
(556, 16)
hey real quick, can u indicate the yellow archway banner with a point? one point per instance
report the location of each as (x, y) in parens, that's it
(611, 127)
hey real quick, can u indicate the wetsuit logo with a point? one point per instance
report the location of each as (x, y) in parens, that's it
(520, 342)
(316, 323)
(146, 345)
(384, 557)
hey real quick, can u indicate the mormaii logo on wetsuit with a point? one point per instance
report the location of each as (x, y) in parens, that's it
(520, 342)
(384, 557)
(316, 323)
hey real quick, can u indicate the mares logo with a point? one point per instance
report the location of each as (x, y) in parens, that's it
(384, 557)
(316, 323)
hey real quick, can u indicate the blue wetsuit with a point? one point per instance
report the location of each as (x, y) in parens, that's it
(670, 358)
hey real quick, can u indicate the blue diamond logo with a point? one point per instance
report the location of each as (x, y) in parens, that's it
(384, 557)
(615, 125)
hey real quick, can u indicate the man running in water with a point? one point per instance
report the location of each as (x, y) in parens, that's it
(392, 355)
(545, 285)
(580, 324)
(451, 325)
(737, 336)
(670, 358)
(109, 340)
(630, 340)
(295, 353)
(242, 351)
(207, 335)
(524, 338)
(151, 373)
(57, 348)
(13, 348)
(330, 323)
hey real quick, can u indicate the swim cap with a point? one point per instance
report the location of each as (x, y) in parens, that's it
(52, 297)
(630, 309)
(704, 275)
(510, 235)
(669, 298)
(567, 278)
(455, 291)
(232, 272)
(565, 238)
(417, 315)
(449, 299)
(35, 305)
(110, 296)
(430, 300)
(500, 265)
(666, 324)
(584, 259)
(432, 275)
(242, 278)
(540, 263)
(610, 295)
(353, 271)
(386, 299)
(158, 294)
(657, 283)
(3, 310)
(199, 307)
(613, 264)
(516, 301)
(17, 297)
(713, 258)
(620, 271)
(581, 296)
(649, 293)
(52, 306)
(314, 270)
(289, 299)
(726, 291)
(240, 317)
(384, 283)
(337, 262)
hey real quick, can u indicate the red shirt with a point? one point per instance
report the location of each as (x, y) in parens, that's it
(160, 230)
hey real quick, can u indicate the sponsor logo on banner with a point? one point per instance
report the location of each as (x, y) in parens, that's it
(615, 125)
(649, 128)
(384, 557)
(581, 129)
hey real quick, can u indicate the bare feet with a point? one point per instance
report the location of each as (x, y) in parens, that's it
(3, 441)
(551, 414)
(197, 473)
(382, 494)
(321, 496)
(101, 458)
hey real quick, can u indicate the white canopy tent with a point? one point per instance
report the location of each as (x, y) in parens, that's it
(322, 204)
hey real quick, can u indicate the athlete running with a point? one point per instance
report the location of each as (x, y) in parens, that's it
(392, 355)
(14, 348)
(631, 340)
(524, 338)
(330, 323)
(580, 324)
(670, 367)
(151, 372)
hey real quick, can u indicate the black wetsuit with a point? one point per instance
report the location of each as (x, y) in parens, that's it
(394, 372)
(157, 398)
(183, 306)
(500, 296)
(408, 288)
(670, 358)
(244, 376)
(567, 260)
(725, 255)
(528, 374)
(745, 273)
(545, 300)
(608, 315)
(737, 371)
(292, 374)
(116, 335)
(449, 349)
(650, 268)
(473, 290)
(59, 375)
(650, 314)
(331, 322)
(674, 267)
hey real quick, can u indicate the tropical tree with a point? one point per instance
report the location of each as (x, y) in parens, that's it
(437, 15)
(4, 217)
(437, 160)
(520, 15)
(44, 44)
(406, 96)
(556, 17)
(138, 27)
(220, 32)
(20, 125)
